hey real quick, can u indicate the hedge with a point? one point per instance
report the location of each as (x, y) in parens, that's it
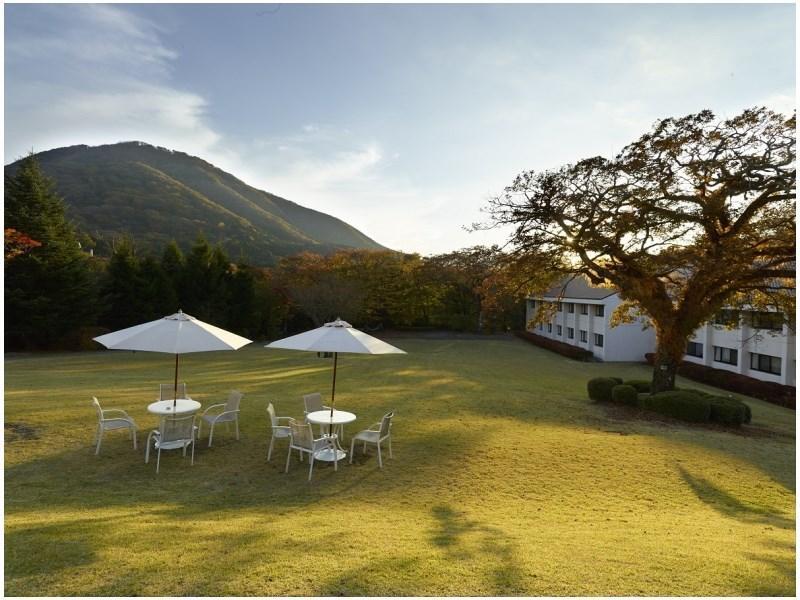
(599, 388)
(642, 385)
(683, 405)
(558, 347)
(782, 395)
(624, 394)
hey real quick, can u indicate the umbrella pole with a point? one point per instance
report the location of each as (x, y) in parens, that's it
(333, 391)
(175, 389)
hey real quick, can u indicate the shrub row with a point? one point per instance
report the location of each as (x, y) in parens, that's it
(687, 405)
(558, 347)
(782, 395)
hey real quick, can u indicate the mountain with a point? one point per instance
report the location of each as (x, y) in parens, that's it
(156, 195)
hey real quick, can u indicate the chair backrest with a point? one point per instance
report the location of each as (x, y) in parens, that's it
(273, 419)
(233, 400)
(174, 429)
(386, 424)
(302, 435)
(166, 391)
(97, 408)
(313, 402)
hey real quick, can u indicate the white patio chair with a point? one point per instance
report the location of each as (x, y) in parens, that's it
(278, 431)
(173, 433)
(110, 423)
(166, 391)
(313, 403)
(229, 414)
(376, 434)
(302, 439)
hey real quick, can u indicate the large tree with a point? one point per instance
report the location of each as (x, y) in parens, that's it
(696, 215)
(50, 290)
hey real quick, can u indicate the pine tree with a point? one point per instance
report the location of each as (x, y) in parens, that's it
(50, 292)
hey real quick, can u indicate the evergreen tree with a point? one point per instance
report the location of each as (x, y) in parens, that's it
(50, 292)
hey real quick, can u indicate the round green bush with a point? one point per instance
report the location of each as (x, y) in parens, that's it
(624, 394)
(729, 411)
(599, 388)
(683, 405)
(642, 385)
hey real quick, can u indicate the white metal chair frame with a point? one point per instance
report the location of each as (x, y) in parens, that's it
(302, 440)
(166, 391)
(173, 433)
(278, 431)
(313, 403)
(229, 415)
(110, 424)
(376, 434)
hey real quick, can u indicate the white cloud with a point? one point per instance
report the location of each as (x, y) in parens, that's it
(95, 74)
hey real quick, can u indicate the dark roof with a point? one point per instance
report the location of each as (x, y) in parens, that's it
(579, 287)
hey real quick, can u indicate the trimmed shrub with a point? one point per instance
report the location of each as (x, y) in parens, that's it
(599, 388)
(782, 395)
(727, 411)
(683, 405)
(625, 394)
(558, 347)
(642, 385)
(618, 380)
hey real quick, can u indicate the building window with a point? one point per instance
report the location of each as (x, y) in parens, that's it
(558, 330)
(599, 310)
(584, 309)
(694, 349)
(726, 355)
(584, 336)
(765, 363)
(541, 328)
(570, 333)
(598, 339)
(766, 320)
(560, 307)
(549, 328)
(570, 307)
(728, 318)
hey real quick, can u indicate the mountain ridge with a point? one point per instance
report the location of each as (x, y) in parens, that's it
(156, 194)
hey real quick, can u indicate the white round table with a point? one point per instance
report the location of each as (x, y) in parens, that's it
(183, 406)
(323, 417)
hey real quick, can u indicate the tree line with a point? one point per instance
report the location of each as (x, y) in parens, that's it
(58, 296)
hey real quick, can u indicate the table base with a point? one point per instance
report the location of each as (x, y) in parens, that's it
(330, 454)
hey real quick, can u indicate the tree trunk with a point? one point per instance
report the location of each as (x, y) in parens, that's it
(671, 346)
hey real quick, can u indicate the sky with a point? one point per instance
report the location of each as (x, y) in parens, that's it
(402, 120)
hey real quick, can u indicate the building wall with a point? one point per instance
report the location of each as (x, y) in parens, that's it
(747, 340)
(627, 342)
(630, 342)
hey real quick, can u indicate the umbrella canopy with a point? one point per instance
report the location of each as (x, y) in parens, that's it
(338, 336)
(175, 334)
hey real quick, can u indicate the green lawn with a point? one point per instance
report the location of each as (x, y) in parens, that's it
(506, 481)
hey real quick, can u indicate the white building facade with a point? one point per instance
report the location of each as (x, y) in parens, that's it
(582, 318)
(751, 343)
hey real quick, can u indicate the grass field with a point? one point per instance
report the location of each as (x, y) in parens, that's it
(506, 481)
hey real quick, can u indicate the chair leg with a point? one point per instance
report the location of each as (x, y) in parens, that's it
(380, 460)
(158, 460)
(311, 466)
(192, 463)
(390, 447)
(269, 452)
(352, 446)
(99, 441)
(288, 458)
(211, 435)
(147, 451)
(237, 427)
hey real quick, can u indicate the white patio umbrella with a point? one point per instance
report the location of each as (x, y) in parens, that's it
(176, 334)
(338, 336)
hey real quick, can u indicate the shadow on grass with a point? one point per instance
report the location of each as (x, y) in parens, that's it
(730, 506)
(454, 535)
